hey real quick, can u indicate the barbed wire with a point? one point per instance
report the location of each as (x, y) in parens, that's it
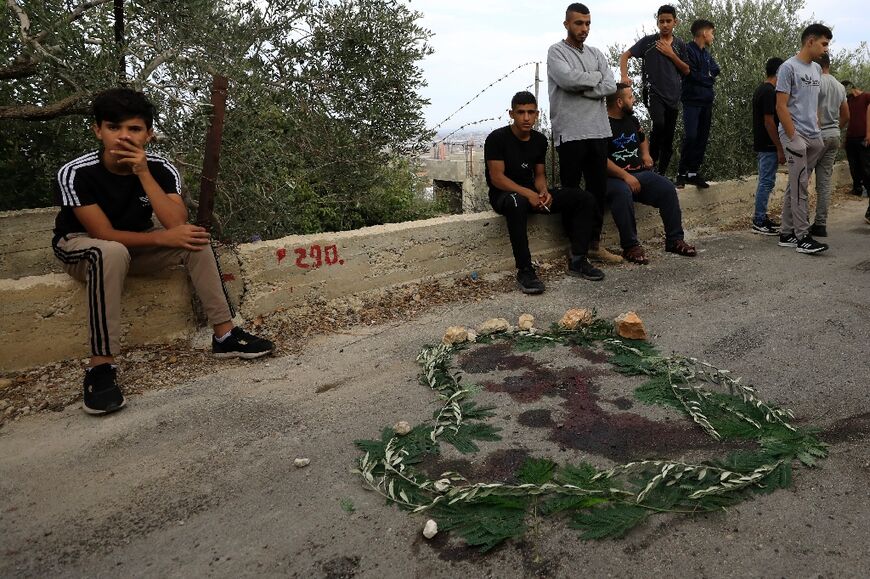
(486, 88)
(471, 124)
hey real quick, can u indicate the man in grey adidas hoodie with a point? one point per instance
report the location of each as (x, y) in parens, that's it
(579, 79)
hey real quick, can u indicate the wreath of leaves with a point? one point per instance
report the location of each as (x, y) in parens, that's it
(598, 503)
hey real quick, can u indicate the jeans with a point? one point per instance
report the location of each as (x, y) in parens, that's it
(661, 139)
(824, 178)
(578, 210)
(767, 163)
(696, 123)
(656, 191)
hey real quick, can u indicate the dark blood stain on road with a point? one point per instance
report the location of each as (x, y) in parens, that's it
(589, 354)
(491, 358)
(585, 425)
(622, 403)
(539, 418)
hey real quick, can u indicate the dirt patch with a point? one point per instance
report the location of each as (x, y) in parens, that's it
(852, 428)
(500, 465)
(341, 568)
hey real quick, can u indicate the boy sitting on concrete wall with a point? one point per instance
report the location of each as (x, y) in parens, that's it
(104, 231)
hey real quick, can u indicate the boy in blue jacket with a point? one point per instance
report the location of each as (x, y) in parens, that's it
(697, 98)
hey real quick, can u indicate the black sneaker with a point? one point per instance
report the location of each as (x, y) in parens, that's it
(528, 281)
(809, 245)
(787, 240)
(580, 267)
(766, 227)
(818, 230)
(241, 344)
(101, 393)
(698, 181)
(681, 181)
(867, 215)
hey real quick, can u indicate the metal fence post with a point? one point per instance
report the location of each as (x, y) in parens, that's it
(211, 161)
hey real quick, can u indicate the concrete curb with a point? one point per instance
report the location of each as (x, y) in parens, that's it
(44, 313)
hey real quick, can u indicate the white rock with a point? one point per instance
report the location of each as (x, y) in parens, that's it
(402, 428)
(527, 322)
(442, 485)
(430, 529)
(493, 326)
(301, 462)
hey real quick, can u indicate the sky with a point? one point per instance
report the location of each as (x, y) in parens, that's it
(478, 41)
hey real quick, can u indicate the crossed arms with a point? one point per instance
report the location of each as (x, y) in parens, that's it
(593, 84)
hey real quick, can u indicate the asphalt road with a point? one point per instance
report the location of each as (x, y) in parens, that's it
(198, 480)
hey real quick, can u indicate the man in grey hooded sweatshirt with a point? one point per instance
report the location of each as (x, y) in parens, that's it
(579, 79)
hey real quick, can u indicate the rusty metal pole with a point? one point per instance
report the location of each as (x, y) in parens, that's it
(211, 161)
(119, 42)
(537, 78)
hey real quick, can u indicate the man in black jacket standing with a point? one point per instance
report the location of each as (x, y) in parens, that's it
(697, 100)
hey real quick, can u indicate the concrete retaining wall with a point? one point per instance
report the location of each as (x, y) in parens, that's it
(44, 317)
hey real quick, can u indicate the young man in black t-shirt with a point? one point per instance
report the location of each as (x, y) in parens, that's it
(765, 142)
(104, 231)
(515, 172)
(664, 66)
(630, 179)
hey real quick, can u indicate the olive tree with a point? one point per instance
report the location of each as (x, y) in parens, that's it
(323, 103)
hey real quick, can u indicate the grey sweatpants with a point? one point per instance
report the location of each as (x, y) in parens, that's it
(801, 156)
(104, 266)
(825, 178)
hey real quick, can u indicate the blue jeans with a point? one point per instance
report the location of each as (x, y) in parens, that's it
(656, 191)
(767, 163)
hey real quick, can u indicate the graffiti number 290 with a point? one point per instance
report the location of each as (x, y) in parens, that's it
(317, 256)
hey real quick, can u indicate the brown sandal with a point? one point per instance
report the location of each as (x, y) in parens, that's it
(680, 247)
(635, 255)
